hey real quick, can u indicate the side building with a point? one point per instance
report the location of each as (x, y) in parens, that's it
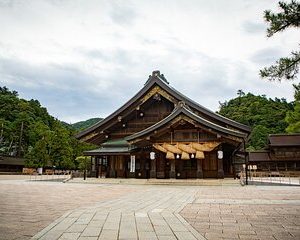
(160, 133)
(281, 155)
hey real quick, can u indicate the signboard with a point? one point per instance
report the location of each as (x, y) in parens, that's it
(132, 163)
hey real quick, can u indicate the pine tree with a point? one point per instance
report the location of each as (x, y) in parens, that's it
(293, 117)
(288, 67)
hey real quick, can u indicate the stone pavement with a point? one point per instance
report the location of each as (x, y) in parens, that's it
(150, 214)
(216, 212)
(123, 211)
(264, 212)
(26, 207)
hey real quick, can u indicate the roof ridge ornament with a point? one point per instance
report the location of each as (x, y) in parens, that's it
(156, 75)
(182, 104)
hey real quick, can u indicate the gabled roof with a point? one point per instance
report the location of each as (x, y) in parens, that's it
(182, 109)
(113, 147)
(116, 142)
(158, 79)
(108, 151)
(282, 140)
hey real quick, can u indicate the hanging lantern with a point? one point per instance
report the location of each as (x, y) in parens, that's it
(220, 154)
(152, 155)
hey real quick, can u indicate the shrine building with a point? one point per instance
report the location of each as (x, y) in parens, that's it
(160, 133)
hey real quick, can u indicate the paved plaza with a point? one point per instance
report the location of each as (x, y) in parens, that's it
(27, 207)
(120, 211)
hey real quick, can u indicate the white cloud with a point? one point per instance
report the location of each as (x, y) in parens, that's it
(97, 54)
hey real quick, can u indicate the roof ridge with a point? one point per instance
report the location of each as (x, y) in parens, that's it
(160, 80)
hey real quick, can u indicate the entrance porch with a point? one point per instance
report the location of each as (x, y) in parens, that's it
(122, 166)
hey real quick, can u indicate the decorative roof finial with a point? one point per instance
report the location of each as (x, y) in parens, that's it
(156, 73)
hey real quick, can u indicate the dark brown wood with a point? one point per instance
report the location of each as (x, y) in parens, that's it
(153, 167)
(199, 168)
(172, 168)
(220, 168)
(282, 154)
(158, 114)
(210, 165)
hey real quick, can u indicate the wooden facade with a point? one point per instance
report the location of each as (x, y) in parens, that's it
(282, 154)
(160, 133)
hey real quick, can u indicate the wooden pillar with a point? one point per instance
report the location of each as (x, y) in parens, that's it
(153, 168)
(172, 168)
(97, 167)
(91, 166)
(199, 168)
(93, 163)
(84, 172)
(112, 169)
(220, 168)
(142, 166)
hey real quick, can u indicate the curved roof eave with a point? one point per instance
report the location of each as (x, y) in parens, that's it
(200, 108)
(156, 79)
(147, 86)
(187, 112)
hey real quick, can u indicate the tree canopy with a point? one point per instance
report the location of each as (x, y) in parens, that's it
(287, 67)
(265, 116)
(293, 116)
(85, 124)
(27, 130)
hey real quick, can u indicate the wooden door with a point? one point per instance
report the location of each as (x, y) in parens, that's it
(119, 166)
(210, 165)
(179, 166)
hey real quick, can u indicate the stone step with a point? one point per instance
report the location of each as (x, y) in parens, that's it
(183, 182)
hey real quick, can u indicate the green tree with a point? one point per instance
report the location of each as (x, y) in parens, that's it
(265, 116)
(288, 67)
(240, 93)
(28, 129)
(258, 138)
(61, 150)
(293, 117)
(83, 162)
(39, 153)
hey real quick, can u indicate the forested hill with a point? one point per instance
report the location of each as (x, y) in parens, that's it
(85, 124)
(28, 130)
(264, 115)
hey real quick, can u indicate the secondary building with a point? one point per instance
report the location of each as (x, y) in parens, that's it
(282, 155)
(160, 133)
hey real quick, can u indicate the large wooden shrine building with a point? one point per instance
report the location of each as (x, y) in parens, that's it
(160, 133)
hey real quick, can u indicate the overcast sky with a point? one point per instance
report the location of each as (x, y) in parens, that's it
(85, 58)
